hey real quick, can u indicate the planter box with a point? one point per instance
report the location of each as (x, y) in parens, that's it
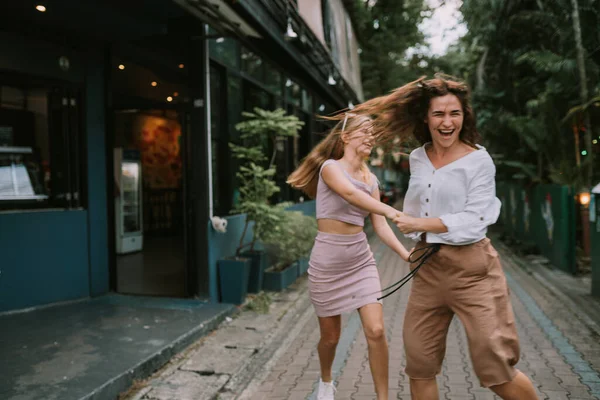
(233, 279)
(302, 266)
(258, 264)
(277, 281)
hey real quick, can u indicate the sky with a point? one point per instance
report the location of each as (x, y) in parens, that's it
(444, 27)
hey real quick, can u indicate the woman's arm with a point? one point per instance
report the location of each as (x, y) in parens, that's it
(385, 233)
(481, 210)
(334, 178)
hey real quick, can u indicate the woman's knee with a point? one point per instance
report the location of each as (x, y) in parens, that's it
(375, 333)
(330, 339)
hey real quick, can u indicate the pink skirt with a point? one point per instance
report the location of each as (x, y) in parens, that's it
(342, 274)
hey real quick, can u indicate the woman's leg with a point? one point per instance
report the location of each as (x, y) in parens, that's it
(424, 389)
(371, 316)
(481, 300)
(519, 388)
(330, 336)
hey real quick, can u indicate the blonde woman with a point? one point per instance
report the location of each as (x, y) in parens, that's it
(342, 271)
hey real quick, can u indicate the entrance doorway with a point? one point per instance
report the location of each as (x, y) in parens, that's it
(155, 215)
(149, 216)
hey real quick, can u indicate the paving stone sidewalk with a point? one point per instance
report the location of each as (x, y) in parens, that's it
(560, 352)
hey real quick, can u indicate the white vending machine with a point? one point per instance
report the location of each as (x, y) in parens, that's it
(128, 201)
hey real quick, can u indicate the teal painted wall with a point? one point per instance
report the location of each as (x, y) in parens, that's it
(223, 245)
(96, 173)
(44, 258)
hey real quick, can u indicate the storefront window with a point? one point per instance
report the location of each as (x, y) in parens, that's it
(253, 65)
(225, 50)
(293, 92)
(234, 115)
(39, 147)
(273, 79)
(306, 101)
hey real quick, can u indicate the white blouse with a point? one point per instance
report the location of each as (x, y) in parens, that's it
(462, 194)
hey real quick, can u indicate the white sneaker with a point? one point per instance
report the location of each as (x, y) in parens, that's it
(326, 391)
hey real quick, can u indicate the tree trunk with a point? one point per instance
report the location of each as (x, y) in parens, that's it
(481, 69)
(583, 92)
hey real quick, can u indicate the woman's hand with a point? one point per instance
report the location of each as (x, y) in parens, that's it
(406, 224)
(392, 213)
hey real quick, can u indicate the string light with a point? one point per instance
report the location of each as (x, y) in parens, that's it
(121, 67)
(40, 8)
(154, 84)
(169, 99)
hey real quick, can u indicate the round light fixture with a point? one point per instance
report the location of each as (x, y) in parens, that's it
(181, 66)
(121, 67)
(40, 8)
(154, 84)
(169, 99)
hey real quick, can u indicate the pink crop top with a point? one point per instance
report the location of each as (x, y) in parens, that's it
(333, 206)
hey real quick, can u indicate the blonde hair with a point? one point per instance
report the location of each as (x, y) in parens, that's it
(306, 176)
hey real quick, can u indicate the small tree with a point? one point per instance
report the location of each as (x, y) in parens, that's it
(255, 175)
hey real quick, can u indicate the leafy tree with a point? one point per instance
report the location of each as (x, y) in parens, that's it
(386, 29)
(520, 56)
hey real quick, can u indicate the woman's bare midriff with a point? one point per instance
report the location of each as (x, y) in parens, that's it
(337, 227)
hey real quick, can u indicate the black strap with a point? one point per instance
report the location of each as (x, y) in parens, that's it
(427, 251)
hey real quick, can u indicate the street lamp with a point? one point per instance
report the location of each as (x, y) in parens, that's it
(584, 201)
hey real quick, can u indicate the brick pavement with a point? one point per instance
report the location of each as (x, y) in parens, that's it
(559, 352)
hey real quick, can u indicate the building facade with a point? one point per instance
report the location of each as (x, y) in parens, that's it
(115, 119)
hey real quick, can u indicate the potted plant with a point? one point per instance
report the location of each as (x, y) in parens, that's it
(306, 233)
(286, 243)
(256, 175)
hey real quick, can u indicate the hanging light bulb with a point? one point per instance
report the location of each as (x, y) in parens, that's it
(290, 33)
(330, 80)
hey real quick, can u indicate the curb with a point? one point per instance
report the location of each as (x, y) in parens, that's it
(123, 381)
(573, 307)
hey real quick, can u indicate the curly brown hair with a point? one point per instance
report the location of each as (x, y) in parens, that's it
(402, 113)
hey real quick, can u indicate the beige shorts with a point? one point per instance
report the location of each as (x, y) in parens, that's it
(467, 281)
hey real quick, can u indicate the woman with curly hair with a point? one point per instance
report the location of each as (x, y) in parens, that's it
(450, 202)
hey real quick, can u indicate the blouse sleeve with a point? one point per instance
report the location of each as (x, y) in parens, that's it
(481, 210)
(411, 206)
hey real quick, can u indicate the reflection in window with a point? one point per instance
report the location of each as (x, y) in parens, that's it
(273, 79)
(253, 65)
(225, 50)
(39, 148)
(293, 92)
(306, 101)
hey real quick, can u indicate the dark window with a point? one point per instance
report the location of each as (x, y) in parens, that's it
(40, 147)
